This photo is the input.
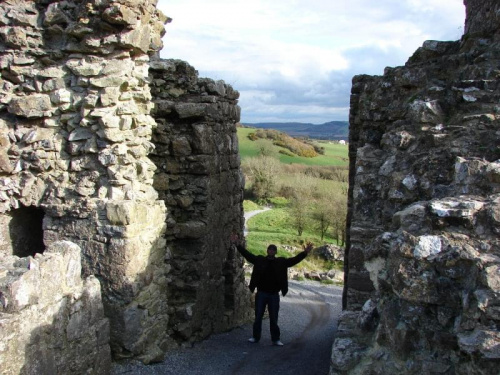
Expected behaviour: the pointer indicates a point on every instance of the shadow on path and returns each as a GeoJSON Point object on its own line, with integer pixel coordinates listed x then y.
{"type": "Point", "coordinates": [308, 321]}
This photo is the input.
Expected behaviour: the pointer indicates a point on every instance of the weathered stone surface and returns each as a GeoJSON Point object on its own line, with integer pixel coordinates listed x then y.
{"type": "Point", "coordinates": [58, 62]}
{"type": "Point", "coordinates": [31, 106]}
{"type": "Point", "coordinates": [203, 196]}
{"type": "Point", "coordinates": [423, 275]}
{"type": "Point", "coordinates": [331, 252]}
{"type": "Point", "coordinates": [481, 16]}
{"type": "Point", "coordinates": [77, 146]}
{"type": "Point", "coordinates": [47, 320]}
{"type": "Point", "coordinates": [190, 109]}
{"type": "Point", "coordinates": [120, 14]}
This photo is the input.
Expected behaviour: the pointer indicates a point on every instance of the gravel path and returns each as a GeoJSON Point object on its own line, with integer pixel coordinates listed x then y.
{"type": "Point", "coordinates": [308, 321]}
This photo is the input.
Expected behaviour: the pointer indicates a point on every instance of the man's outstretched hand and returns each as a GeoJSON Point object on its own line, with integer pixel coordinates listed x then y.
{"type": "Point", "coordinates": [307, 247]}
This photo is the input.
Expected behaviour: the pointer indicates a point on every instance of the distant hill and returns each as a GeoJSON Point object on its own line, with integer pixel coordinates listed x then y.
{"type": "Point", "coordinates": [334, 130]}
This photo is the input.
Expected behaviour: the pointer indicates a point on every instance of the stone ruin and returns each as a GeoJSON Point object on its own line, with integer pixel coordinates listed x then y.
{"type": "Point", "coordinates": [120, 184]}
{"type": "Point", "coordinates": [198, 177]}
{"type": "Point", "coordinates": [422, 291]}
{"type": "Point", "coordinates": [119, 188]}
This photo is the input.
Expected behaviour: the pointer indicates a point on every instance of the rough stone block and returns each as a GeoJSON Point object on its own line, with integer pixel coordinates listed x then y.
{"type": "Point", "coordinates": [192, 229]}
{"type": "Point", "coordinates": [481, 341]}
{"type": "Point", "coordinates": [186, 110]}
{"type": "Point", "coordinates": [31, 106]}
{"type": "Point", "coordinates": [134, 213]}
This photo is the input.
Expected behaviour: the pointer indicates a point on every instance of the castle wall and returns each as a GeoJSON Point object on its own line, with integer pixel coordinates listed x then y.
{"type": "Point", "coordinates": [482, 16]}
{"type": "Point", "coordinates": [83, 159]}
{"type": "Point", "coordinates": [75, 132]}
{"type": "Point", "coordinates": [198, 177]}
{"type": "Point", "coordinates": [423, 252]}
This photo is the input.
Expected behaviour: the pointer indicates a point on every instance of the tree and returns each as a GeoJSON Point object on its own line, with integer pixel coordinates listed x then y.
{"type": "Point", "coordinates": [263, 171]}
{"type": "Point", "coordinates": [299, 213]}
{"type": "Point", "coordinates": [303, 188]}
{"type": "Point", "coordinates": [339, 219]}
{"type": "Point", "coordinates": [322, 214]}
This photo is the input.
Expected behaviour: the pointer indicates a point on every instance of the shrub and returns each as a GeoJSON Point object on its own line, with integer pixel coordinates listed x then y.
{"type": "Point", "coordinates": [295, 146]}
{"type": "Point", "coordinates": [312, 171]}
{"type": "Point", "coordinates": [263, 171]}
{"type": "Point", "coordinates": [252, 137]}
{"type": "Point", "coordinates": [286, 191]}
{"type": "Point", "coordinates": [319, 149]}
{"type": "Point", "coordinates": [333, 173]}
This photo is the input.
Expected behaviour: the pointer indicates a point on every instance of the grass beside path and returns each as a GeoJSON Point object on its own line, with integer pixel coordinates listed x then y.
{"type": "Point", "coordinates": [249, 206]}
{"type": "Point", "coordinates": [274, 227]}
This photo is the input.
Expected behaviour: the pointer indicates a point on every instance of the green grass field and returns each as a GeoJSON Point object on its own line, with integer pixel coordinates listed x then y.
{"type": "Point", "coordinates": [325, 187]}
{"type": "Point", "coordinates": [274, 227]}
{"type": "Point", "coordinates": [335, 154]}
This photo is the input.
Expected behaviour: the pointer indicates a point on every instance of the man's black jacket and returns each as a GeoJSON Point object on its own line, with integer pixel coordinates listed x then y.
{"type": "Point", "coordinates": [281, 267]}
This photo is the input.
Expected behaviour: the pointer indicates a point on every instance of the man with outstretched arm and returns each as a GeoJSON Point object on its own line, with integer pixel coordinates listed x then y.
{"type": "Point", "coordinates": [269, 276]}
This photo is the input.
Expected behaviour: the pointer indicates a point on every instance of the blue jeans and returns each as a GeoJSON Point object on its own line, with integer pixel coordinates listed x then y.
{"type": "Point", "coordinates": [272, 301]}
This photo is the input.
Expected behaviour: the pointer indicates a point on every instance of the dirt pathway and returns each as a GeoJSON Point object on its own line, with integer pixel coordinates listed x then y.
{"type": "Point", "coordinates": [250, 214]}
{"type": "Point", "coordinates": [308, 320]}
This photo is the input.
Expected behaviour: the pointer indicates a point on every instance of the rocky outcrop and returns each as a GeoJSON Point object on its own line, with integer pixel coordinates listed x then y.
{"type": "Point", "coordinates": [51, 325]}
{"type": "Point", "coordinates": [423, 255]}
{"type": "Point", "coordinates": [76, 160]}
{"type": "Point", "coordinates": [330, 252]}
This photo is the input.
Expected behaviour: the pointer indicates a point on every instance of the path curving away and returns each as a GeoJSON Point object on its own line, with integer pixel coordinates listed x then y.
{"type": "Point", "coordinates": [250, 214]}
{"type": "Point", "coordinates": [308, 321]}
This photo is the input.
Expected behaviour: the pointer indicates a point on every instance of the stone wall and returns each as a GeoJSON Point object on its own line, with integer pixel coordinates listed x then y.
{"type": "Point", "coordinates": [51, 325]}
{"type": "Point", "coordinates": [423, 252]}
{"type": "Point", "coordinates": [482, 17]}
{"type": "Point", "coordinates": [75, 132]}
{"type": "Point", "coordinates": [199, 179]}
{"type": "Point", "coordinates": [76, 154]}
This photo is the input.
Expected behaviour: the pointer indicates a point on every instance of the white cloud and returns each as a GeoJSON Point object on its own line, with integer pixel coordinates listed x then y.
{"type": "Point", "coordinates": [291, 58]}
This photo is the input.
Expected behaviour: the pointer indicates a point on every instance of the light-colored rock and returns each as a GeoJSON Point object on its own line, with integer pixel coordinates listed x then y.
{"type": "Point", "coordinates": [427, 246]}
{"type": "Point", "coordinates": [30, 106]}
{"type": "Point", "coordinates": [51, 318]}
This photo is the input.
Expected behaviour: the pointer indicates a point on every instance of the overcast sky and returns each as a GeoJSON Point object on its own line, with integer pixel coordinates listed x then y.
{"type": "Point", "coordinates": [293, 60]}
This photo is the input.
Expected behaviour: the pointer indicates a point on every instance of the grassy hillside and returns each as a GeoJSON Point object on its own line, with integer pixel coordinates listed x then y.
{"type": "Point", "coordinates": [335, 154]}
{"type": "Point", "coordinates": [320, 183]}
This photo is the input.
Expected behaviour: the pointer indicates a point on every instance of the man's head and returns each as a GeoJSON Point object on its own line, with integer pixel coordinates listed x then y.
{"type": "Point", "coordinates": [272, 250]}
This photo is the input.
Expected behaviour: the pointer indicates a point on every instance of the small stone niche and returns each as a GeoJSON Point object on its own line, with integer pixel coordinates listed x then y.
{"type": "Point", "coordinates": [21, 232]}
